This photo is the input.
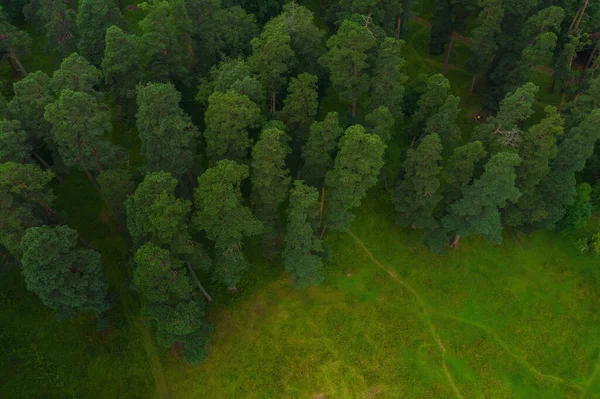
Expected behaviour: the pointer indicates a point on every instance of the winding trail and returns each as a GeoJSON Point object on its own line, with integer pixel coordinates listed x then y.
{"type": "Point", "coordinates": [427, 316]}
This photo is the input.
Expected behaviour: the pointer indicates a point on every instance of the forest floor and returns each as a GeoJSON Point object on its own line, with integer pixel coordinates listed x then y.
{"type": "Point", "coordinates": [519, 320]}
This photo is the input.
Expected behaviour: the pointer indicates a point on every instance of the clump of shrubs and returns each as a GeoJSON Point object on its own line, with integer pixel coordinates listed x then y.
{"type": "Point", "coordinates": [590, 244]}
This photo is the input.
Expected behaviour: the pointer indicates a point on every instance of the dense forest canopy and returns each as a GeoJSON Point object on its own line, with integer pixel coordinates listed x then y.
{"type": "Point", "coordinates": [206, 125]}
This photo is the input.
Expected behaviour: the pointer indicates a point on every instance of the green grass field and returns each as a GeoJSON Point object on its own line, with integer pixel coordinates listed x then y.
{"type": "Point", "coordinates": [519, 320]}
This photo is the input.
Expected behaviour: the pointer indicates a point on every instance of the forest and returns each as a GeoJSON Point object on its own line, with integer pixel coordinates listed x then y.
{"type": "Point", "coordinates": [311, 199]}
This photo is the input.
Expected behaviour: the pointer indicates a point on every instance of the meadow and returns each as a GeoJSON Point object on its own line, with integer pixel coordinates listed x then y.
{"type": "Point", "coordinates": [391, 320]}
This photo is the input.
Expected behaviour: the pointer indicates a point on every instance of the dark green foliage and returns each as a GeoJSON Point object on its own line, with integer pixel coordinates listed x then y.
{"type": "Point", "coordinates": [441, 27]}
{"type": "Point", "coordinates": [59, 24]}
{"type": "Point", "coordinates": [381, 123]}
{"type": "Point", "coordinates": [356, 168]}
{"type": "Point", "coordinates": [93, 19]}
{"type": "Point", "coordinates": [486, 35]}
{"type": "Point", "coordinates": [431, 100]}
{"type": "Point", "coordinates": [13, 43]}
{"type": "Point", "coordinates": [221, 214]}
{"type": "Point", "coordinates": [387, 83]}
{"type": "Point", "coordinates": [578, 214]}
{"type": "Point", "coordinates": [4, 114]}
{"type": "Point", "coordinates": [302, 101]}
{"type": "Point", "coordinates": [478, 211]}
{"type": "Point", "coordinates": [460, 168]}
{"type": "Point", "coordinates": [319, 150]}
{"type": "Point", "coordinates": [76, 74]}
{"type": "Point", "coordinates": [443, 122]}
{"type": "Point", "coordinates": [15, 147]}
{"type": "Point", "coordinates": [78, 126]}
{"type": "Point", "coordinates": [28, 106]}
{"type": "Point", "coordinates": [347, 59]}
{"type": "Point", "coordinates": [584, 104]}
{"type": "Point", "coordinates": [115, 186]}
{"type": "Point", "coordinates": [302, 244]}
{"type": "Point", "coordinates": [66, 278]}
{"type": "Point", "coordinates": [271, 58]}
{"type": "Point", "coordinates": [169, 138]}
{"type": "Point", "coordinates": [25, 201]}
{"type": "Point", "coordinates": [228, 118]}
{"type": "Point", "coordinates": [418, 193]}
{"type": "Point", "coordinates": [121, 68]}
{"type": "Point", "coordinates": [270, 179]}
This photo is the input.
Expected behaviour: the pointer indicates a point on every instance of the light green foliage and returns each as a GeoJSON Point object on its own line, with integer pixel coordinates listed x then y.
{"type": "Point", "coordinates": [590, 244]}
{"type": "Point", "coordinates": [443, 122]}
{"type": "Point", "coordinates": [306, 38]}
{"type": "Point", "coordinates": [387, 83]}
{"type": "Point", "coordinates": [577, 215]}
{"type": "Point", "coordinates": [121, 67]}
{"type": "Point", "coordinates": [169, 138]}
{"type": "Point", "coordinates": [14, 146]}
{"type": "Point", "coordinates": [318, 153]}
{"type": "Point", "coordinates": [271, 58]}
{"type": "Point", "coordinates": [221, 214]}
{"type": "Point", "coordinates": [78, 126]}
{"type": "Point", "coordinates": [228, 118]}
{"type": "Point", "coordinates": [66, 278]}
{"type": "Point", "coordinates": [302, 101]}
{"type": "Point", "coordinates": [486, 35]}
{"type": "Point", "coordinates": [302, 244]}
{"type": "Point", "coordinates": [558, 188]}
{"type": "Point", "coordinates": [584, 104]}
{"type": "Point", "coordinates": [32, 94]}
{"type": "Point", "coordinates": [76, 74]}
{"type": "Point", "coordinates": [59, 24]}
{"type": "Point", "coordinates": [347, 61]}
{"type": "Point", "coordinates": [477, 212]}
{"type": "Point", "coordinates": [165, 40]}
{"type": "Point", "coordinates": [270, 179]}
{"type": "Point", "coordinates": [418, 193]}
{"type": "Point", "coordinates": [460, 168]}
{"type": "Point", "coordinates": [115, 186]}
{"type": "Point", "coordinates": [25, 200]}
{"type": "Point", "coordinates": [503, 130]}
{"type": "Point", "coordinates": [380, 122]}
{"type": "Point", "coordinates": [154, 213]}
{"type": "Point", "coordinates": [537, 150]}
{"type": "Point", "coordinates": [356, 168]}
{"type": "Point", "coordinates": [14, 42]}
{"type": "Point", "coordinates": [93, 19]}
{"type": "Point", "coordinates": [158, 276]}
{"type": "Point", "coordinates": [431, 100]}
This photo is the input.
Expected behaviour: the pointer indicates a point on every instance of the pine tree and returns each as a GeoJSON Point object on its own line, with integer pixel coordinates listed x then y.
{"type": "Point", "coordinates": [59, 24]}
{"type": "Point", "coordinates": [121, 68]}
{"type": "Point", "coordinates": [169, 138]}
{"type": "Point", "coordinates": [76, 74]}
{"type": "Point", "coordinates": [13, 43]}
{"type": "Point", "coordinates": [228, 118]}
{"type": "Point", "coordinates": [478, 211]}
{"type": "Point", "coordinates": [381, 123]}
{"type": "Point", "coordinates": [78, 126]}
{"type": "Point", "coordinates": [387, 83]}
{"type": "Point", "coordinates": [431, 100]}
{"type": "Point", "coordinates": [443, 122]}
{"type": "Point", "coordinates": [32, 94]}
{"type": "Point", "coordinates": [302, 101]}
{"type": "Point", "coordinates": [221, 214]}
{"type": "Point", "coordinates": [115, 186]}
{"type": "Point", "coordinates": [418, 193]}
{"type": "Point", "coordinates": [579, 213]}
{"type": "Point", "coordinates": [93, 19]}
{"type": "Point", "coordinates": [66, 278]}
{"type": "Point", "coordinates": [583, 104]}
{"type": "Point", "coordinates": [356, 168]}
{"type": "Point", "coordinates": [270, 179]}
{"type": "Point", "coordinates": [347, 61]}
{"type": "Point", "coordinates": [460, 169]}
{"type": "Point", "coordinates": [15, 147]}
{"type": "Point", "coordinates": [318, 153]}
{"type": "Point", "coordinates": [271, 58]}
{"type": "Point", "coordinates": [302, 244]}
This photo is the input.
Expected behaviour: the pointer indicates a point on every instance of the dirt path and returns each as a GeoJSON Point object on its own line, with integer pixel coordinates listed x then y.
{"type": "Point", "coordinates": [427, 315]}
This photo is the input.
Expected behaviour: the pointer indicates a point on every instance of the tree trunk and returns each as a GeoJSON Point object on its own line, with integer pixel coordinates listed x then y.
{"type": "Point", "coordinates": [120, 5]}
{"type": "Point", "coordinates": [91, 178]}
{"type": "Point", "coordinates": [591, 59]}
{"type": "Point", "coordinates": [573, 21]}
{"type": "Point", "coordinates": [553, 85]}
{"type": "Point", "coordinates": [190, 177]}
{"type": "Point", "coordinates": [447, 60]}
{"type": "Point", "coordinates": [200, 287]}
{"type": "Point", "coordinates": [472, 89]}
{"type": "Point", "coordinates": [45, 164]}
{"type": "Point", "coordinates": [585, 4]}
{"type": "Point", "coordinates": [100, 168]}
{"type": "Point", "coordinates": [273, 101]}
{"type": "Point", "coordinates": [85, 243]}
{"type": "Point", "coordinates": [385, 182]}
{"type": "Point", "coordinates": [455, 241]}
{"type": "Point", "coordinates": [19, 65]}
{"type": "Point", "coordinates": [353, 108]}
{"type": "Point", "coordinates": [74, 4]}
{"type": "Point", "coordinates": [12, 65]}
{"type": "Point", "coordinates": [323, 231]}
{"type": "Point", "coordinates": [322, 205]}
{"type": "Point", "coordinates": [398, 22]}
{"type": "Point", "coordinates": [562, 100]}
